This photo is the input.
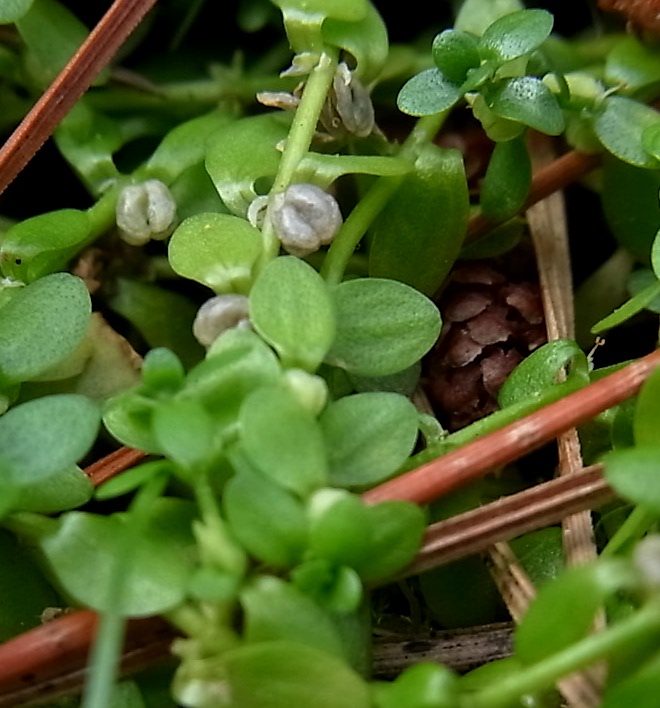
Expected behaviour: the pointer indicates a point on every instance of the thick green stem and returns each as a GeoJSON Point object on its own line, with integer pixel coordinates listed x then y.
{"type": "Point", "coordinates": [544, 674]}
{"type": "Point", "coordinates": [373, 202]}
{"type": "Point", "coordinates": [300, 136]}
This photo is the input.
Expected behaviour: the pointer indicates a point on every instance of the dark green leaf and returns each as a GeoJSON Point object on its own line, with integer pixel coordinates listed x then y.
{"type": "Point", "coordinates": [266, 518]}
{"type": "Point", "coordinates": [163, 317]}
{"type": "Point", "coordinates": [383, 326]}
{"type": "Point", "coordinates": [292, 309]}
{"type": "Point", "coordinates": [13, 10]}
{"type": "Point", "coordinates": [515, 34]}
{"type": "Point", "coordinates": [162, 371]}
{"type": "Point", "coordinates": [630, 308]}
{"type": "Point", "coordinates": [275, 610]}
{"type": "Point", "coordinates": [632, 64]}
{"type": "Point", "coordinates": [620, 128]}
{"type": "Point", "coordinates": [284, 674]}
{"type": "Point", "coordinates": [86, 549]}
{"type": "Point", "coordinates": [630, 203]}
{"type": "Point", "coordinates": [24, 592]}
{"type": "Point", "coordinates": [427, 93]}
{"type": "Point", "coordinates": [507, 181]}
{"type": "Point", "coordinates": [368, 437]}
{"type": "Point", "coordinates": [44, 244]}
{"type": "Point", "coordinates": [42, 325]}
{"type": "Point", "coordinates": [527, 100]}
{"type": "Point", "coordinates": [43, 437]}
{"type": "Point", "coordinates": [340, 527]}
{"type": "Point", "coordinates": [542, 369]}
{"type": "Point", "coordinates": [635, 474]}
{"type": "Point", "coordinates": [419, 246]}
{"type": "Point", "coordinates": [646, 424]}
{"type": "Point", "coordinates": [576, 594]}
{"type": "Point", "coordinates": [283, 440]}
{"type": "Point", "coordinates": [454, 53]}
{"type": "Point", "coordinates": [397, 528]}
{"type": "Point", "coordinates": [639, 689]}
{"type": "Point", "coordinates": [240, 154]}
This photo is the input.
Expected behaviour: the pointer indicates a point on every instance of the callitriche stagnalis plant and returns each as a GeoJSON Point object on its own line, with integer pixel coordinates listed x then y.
{"type": "Point", "coordinates": [285, 473]}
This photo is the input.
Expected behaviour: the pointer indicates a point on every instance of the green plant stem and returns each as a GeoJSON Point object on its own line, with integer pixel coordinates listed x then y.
{"type": "Point", "coordinates": [107, 646]}
{"type": "Point", "coordinates": [594, 647]}
{"type": "Point", "coordinates": [300, 136]}
{"type": "Point", "coordinates": [639, 521]}
{"type": "Point", "coordinates": [373, 202]}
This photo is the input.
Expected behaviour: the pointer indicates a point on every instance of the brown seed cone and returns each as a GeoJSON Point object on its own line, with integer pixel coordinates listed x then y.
{"type": "Point", "coordinates": [642, 15]}
{"type": "Point", "coordinates": [490, 323]}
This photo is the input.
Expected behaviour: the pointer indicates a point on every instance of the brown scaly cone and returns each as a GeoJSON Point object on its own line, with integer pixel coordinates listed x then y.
{"type": "Point", "coordinates": [490, 323]}
{"type": "Point", "coordinates": [642, 15]}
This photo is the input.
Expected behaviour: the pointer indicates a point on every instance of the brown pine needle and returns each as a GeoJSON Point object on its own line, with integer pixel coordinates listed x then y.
{"type": "Point", "coordinates": [91, 58]}
{"type": "Point", "coordinates": [465, 464]}
{"type": "Point", "coordinates": [113, 464]}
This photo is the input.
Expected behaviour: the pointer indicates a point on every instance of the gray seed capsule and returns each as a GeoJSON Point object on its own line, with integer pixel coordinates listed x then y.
{"type": "Point", "coordinates": [219, 314]}
{"type": "Point", "coordinates": [145, 211]}
{"type": "Point", "coordinates": [305, 218]}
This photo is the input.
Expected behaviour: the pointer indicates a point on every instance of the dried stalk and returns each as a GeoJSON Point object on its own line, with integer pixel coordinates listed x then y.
{"type": "Point", "coordinates": [91, 58]}
{"type": "Point", "coordinates": [511, 442]}
{"type": "Point", "coordinates": [113, 464]}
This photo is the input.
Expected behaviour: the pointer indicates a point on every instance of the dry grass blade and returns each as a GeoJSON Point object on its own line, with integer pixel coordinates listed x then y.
{"type": "Point", "coordinates": [93, 56]}
{"type": "Point", "coordinates": [476, 530]}
{"type": "Point", "coordinates": [113, 464]}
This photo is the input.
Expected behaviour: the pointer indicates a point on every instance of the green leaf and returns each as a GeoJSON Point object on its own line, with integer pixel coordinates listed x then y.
{"type": "Point", "coordinates": [44, 244]}
{"type": "Point", "coordinates": [67, 489]}
{"type": "Point", "coordinates": [52, 34]}
{"type": "Point", "coordinates": [454, 53]}
{"type": "Point", "coordinates": [629, 199]}
{"type": "Point", "coordinates": [45, 436]}
{"type": "Point", "coordinates": [646, 423]}
{"type": "Point", "coordinates": [238, 362]}
{"type": "Point", "coordinates": [281, 674]}
{"type": "Point", "coordinates": [383, 326]}
{"type": "Point", "coordinates": [632, 64]}
{"type": "Point", "coordinates": [365, 39]}
{"type": "Point", "coordinates": [419, 246]}
{"type": "Point", "coordinates": [85, 550]}
{"type": "Point", "coordinates": [620, 128]}
{"type": "Point", "coordinates": [292, 309]}
{"type": "Point", "coordinates": [476, 15]}
{"type": "Point", "coordinates": [629, 309]}
{"type": "Point", "coordinates": [283, 440]}
{"type": "Point", "coordinates": [184, 431]}
{"type": "Point", "coordinates": [275, 610]}
{"type": "Point", "coordinates": [12, 10]}
{"type": "Point", "coordinates": [515, 35]}
{"type": "Point", "coordinates": [541, 554]}
{"type": "Point", "coordinates": [427, 93]}
{"type": "Point", "coordinates": [508, 178]}
{"type": "Point", "coordinates": [87, 139]}
{"type": "Point", "coordinates": [397, 530]}
{"type": "Point", "coordinates": [338, 589]}
{"type": "Point", "coordinates": [218, 250]}
{"type": "Point", "coordinates": [132, 479]}
{"type": "Point", "coordinates": [163, 317]}
{"type": "Point", "coordinates": [420, 686]}
{"type": "Point", "coordinates": [541, 370]}
{"type": "Point", "coordinates": [527, 100]}
{"type": "Point", "coordinates": [635, 474]}
{"type": "Point", "coordinates": [640, 689]}
{"type": "Point", "coordinates": [24, 592]}
{"type": "Point", "coordinates": [243, 152]}
{"type": "Point", "coordinates": [368, 437]}
{"type": "Point", "coordinates": [41, 325]}
{"type": "Point", "coordinates": [578, 593]}
{"type": "Point", "coordinates": [267, 519]}
{"type": "Point", "coordinates": [340, 528]}
{"type": "Point", "coordinates": [185, 145]}
{"type": "Point", "coordinates": [127, 417]}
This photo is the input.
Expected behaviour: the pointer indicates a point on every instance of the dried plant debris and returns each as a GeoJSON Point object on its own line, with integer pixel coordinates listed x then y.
{"type": "Point", "coordinates": [491, 322]}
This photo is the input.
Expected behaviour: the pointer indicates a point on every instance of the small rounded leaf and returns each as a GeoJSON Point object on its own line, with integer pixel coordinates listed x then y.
{"type": "Point", "coordinates": [507, 181]}
{"type": "Point", "coordinates": [427, 93]}
{"type": "Point", "coordinates": [454, 53]}
{"type": "Point", "coordinates": [515, 34]}
{"type": "Point", "coordinates": [529, 101]}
